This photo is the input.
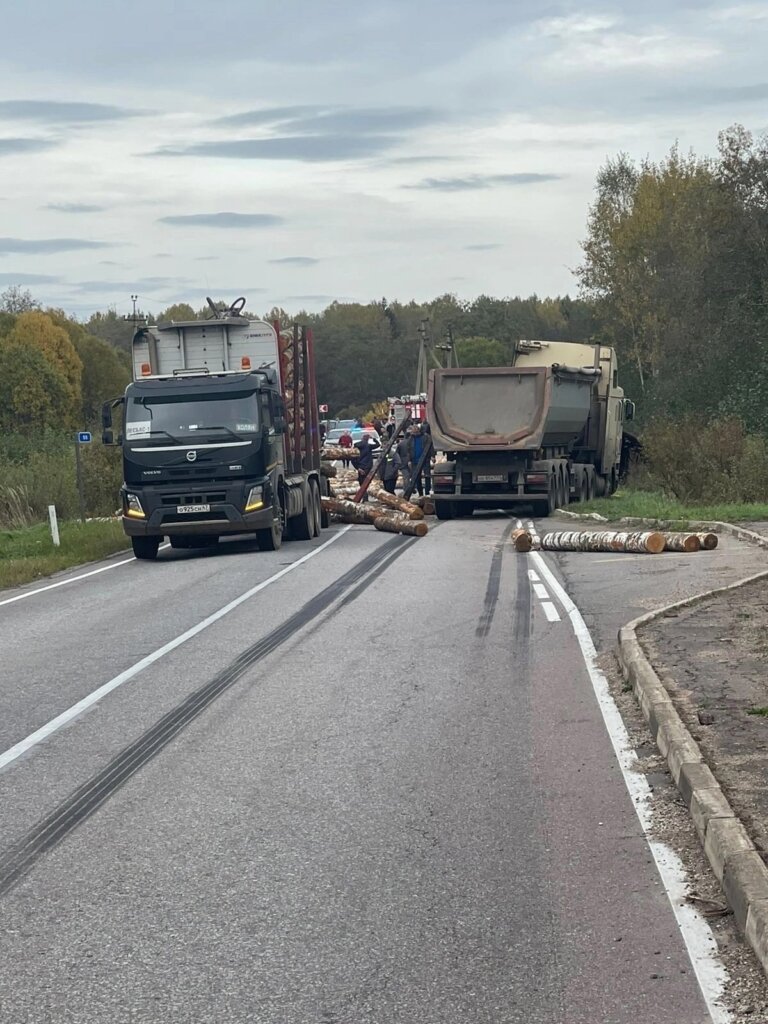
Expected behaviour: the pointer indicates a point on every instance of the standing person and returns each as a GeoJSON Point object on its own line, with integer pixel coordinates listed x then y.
{"type": "Point", "coordinates": [345, 442]}
{"type": "Point", "coordinates": [389, 470]}
{"type": "Point", "coordinates": [419, 441]}
{"type": "Point", "coordinates": [403, 449]}
{"type": "Point", "coordinates": [363, 461]}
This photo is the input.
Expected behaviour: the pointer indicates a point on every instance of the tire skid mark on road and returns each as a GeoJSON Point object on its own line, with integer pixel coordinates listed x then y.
{"type": "Point", "coordinates": [494, 585]}
{"type": "Point", "coordinates": [21, 857]}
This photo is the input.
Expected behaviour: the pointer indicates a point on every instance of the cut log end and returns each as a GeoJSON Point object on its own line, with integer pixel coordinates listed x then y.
{"type": "Point", "coordinates": [522, 540]}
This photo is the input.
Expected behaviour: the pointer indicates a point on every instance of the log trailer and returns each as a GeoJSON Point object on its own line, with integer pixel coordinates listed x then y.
{"type": "Point", "coordinates": [543, 432]}
{"type": "Point", "coordinates": [220, 434]}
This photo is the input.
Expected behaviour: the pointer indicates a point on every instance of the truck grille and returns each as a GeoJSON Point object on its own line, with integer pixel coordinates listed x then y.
{"type": "Point", "coordinates": [194, 499]}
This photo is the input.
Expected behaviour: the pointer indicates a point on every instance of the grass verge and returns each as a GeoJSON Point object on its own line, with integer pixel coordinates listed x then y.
{"type": "Point", "coordinates": [654, 505]}
{"type": "Point", "coordinates": [26, 555]}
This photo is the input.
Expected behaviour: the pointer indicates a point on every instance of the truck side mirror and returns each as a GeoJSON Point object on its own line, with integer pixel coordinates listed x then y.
{"type": "Point", "coordinates": [107, 436]}
{"type": "Point", "coordinates": [280, 424]}
{"type": "Point", "coordinates": [106, 418]}
{"type": "Point", "coordinates": [629, 410]}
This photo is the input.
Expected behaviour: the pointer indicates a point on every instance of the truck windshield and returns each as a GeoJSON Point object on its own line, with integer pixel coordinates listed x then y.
{"type": "Point", "coordinates": [184, 417]}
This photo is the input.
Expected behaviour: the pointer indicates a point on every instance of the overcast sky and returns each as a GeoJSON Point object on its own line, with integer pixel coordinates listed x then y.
{"type": "Point", "coordinates": [305, 151]}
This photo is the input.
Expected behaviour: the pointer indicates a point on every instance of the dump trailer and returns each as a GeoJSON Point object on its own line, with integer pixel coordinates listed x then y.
{"type": "Point", "coordinates": [543, 432]}
{"type": "Point", "coordinates": [220, 434]}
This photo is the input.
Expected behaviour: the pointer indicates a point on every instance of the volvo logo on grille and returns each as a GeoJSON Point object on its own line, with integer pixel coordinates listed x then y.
{"type": "Point", "coordinates": [191, 456]}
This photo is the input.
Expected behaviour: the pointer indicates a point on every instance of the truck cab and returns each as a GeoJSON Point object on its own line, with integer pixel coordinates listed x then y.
{"type": "Point", "coordinates": [209, 445]}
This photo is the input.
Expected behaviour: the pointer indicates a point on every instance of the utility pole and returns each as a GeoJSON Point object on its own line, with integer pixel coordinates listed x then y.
{"type": "Point", "coordinates": [425, 343]}
{"type": "Point", "coordinates": [134, 317]}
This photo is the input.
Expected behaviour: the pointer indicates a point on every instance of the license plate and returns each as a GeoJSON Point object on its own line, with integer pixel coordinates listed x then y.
{"type": "Point", "coordinates": [490, 478]}
{"type": "Point", "coordinates": [186, 509]}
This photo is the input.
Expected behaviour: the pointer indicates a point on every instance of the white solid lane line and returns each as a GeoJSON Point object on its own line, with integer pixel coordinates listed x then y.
{"type": "Point", "coordinates": [697, 935]}
{"type": "Point", "coordinates": [71, 579]}
{"type": "Point", "coordinates": [550, 611]}
{"type": "Point", "coordinates": [93, 698]}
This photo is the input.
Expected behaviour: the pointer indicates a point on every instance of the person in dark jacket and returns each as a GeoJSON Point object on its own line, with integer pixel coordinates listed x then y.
{"type": "Point", "coordinates": [404, 453]}
{"type": "Point", "coordinates": [389, 470]}
{"type": "Point", "coordinates": [363, 461]}
{"type": "Point", "coordinates": [420, 439]}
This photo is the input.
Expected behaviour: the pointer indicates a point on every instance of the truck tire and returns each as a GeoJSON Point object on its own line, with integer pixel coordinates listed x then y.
{"type": "Point", "coordinates": [445, 509]}
{"type": "Point", "coordinates": [545, 508]}
{"type": "Point", "coordinates": [271, 538]}
{"type": "Point", "coordinates": [314, 492]}
{"type": "Point", "coordinates": [145, 548]}
{"type": "Point", "coordinates": [302, 525]}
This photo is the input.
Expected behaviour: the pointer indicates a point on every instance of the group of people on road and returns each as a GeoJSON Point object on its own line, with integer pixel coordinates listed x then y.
{"type": "Point", "coordinates": [406, 458]}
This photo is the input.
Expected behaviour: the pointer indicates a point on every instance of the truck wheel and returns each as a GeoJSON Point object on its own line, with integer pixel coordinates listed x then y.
{"type": "Point", "coordinates": [542, 509]}
{"type": "Point", "coordinates": [317, 524]}
{"type": "Point", "coordinates": [145, 548]}
{"type": "Point", "coordinates": [445, 509]}
{"type": "Point", "coordinates": [271, 538]}
{"type": "Point", "coordinates": [302, 525]}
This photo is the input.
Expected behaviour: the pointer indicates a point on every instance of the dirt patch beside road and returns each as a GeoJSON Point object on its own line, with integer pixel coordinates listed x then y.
{"type": "Point", "coordinates": [713, 660]}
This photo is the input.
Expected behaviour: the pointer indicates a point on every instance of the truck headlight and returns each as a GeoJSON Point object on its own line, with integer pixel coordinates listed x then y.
{"type": "Point", "coordinates": [133, 506]}
{"type": "Point", "coordinates": [255, 499]}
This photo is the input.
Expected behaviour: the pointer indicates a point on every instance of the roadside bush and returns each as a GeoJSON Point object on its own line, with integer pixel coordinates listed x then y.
{"type": "Point", "coordinates": [44, 474]}
{"type": "Point", "coordinates": [696, 461]}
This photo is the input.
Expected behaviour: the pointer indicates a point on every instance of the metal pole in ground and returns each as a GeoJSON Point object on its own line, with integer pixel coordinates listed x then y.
{"type": "Point", "coordinates": [80, 482]}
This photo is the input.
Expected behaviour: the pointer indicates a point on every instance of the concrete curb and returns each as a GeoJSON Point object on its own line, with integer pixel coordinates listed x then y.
{"type": "Point", "coordinates": [735, 860]}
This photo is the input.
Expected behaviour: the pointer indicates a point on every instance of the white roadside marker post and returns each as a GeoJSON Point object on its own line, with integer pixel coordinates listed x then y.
{"type": "Point", "coordinates": [54, 525]}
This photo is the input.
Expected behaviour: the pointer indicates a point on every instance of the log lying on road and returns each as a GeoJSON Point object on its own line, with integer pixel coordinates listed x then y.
{"type": "Point", "coordinates": [350, 511]}
{"type": "Point", "coordinates": [682, 542]}
{"type": "Point", "coordinates": [650, 543]}
{"type": "Point", "coordinates": [708, 541]}
{"type": "Point", "coordinates": [391, 524]}
{"type": "Point", "coordinates": [392, 501]}
{"type": "Point", "coordinates": [522, 540]}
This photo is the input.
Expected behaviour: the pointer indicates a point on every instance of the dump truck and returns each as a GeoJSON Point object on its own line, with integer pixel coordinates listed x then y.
{"type": "Point", "coordinates": [543, 432]}
{"type": "Point", "coordinates": [220, 434]}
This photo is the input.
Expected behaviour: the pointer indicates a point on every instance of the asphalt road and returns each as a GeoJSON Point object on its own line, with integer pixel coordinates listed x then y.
{"type": "Point", "coordinates": [378, 789]}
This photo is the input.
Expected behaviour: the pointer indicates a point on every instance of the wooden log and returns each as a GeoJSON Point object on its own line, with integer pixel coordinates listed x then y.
{"type": "Point", "coordinates": [522, 540]}
{"type": "Point", "coordinates": [391, 524]}
{"type": "Point", "coordinates": [328, 469]}
{"type": "Point", "coordinates": [649, 542]}
{"type": "Point", "coordinates": [681, 542]}
{"type": "Point", "coordinates": [335, 453]}
{"type": "Point", "coordinates": [350, 511]}
{"type": "Point", "coordinates": [428, 507]}
{"type": "Point", "coordinates": [708, 541]}
{"type": "Point", "coordinates": [392, 501]}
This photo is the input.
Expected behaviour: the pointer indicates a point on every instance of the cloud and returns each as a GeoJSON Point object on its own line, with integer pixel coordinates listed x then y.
{"type": "Point", "coordinates": [223, 220]}
{"type": "Point", "coordinates": [297, 261]}
{"type": "Point", "coordinates": [268, 115]}
{"type": "Point", "coordinates": [146, 284]}
{"type": "Point", "coordinates": [42, 246]}
{"type": "Point", "coordinates": [710, 96]}
{"type": "Point", "coordinates": [28, 279]}
{"type": "Point", "coordinates": [483, 181]}
{"type": "Point", "coordinates": [337, 120]}
{"type": "Point", "coordinates": [55, 112]}
{"type": "Point", "coordinates": [10, 146]}
{"type": "Point", "coordinates": [483, 247]}
{"type": "Point", "coordinates": [73, 207]}
{"type": "Point", "coordinates": [313, 148]}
